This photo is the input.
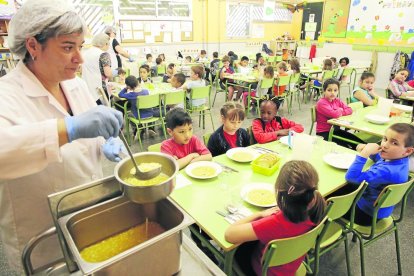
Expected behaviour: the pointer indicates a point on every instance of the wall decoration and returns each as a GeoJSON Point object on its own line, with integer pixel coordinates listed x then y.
{"type": "Point", "coordinates": [335, 18]}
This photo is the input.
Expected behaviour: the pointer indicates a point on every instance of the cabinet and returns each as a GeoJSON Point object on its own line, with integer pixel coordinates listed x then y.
{"type": "Point", "coordinates": [284, 48]}
{"type": "Point", "coordinates": [6, 58]}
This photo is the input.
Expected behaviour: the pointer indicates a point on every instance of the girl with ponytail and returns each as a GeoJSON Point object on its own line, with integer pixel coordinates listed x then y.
{"type": "Point", "coordinates": [300, 208]}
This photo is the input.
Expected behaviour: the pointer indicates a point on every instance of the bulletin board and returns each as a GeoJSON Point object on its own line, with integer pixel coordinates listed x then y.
{"type": "Point", "coordinates": [157, 31]}
{"type": "Point", "coordinates": [380, 22]}
{"type": "Point", "coordinates": [335, 18]}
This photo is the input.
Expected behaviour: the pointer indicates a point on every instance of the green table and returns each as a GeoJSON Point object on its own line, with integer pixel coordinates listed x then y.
{"type": "Point", "coordinates": [203, 198]}
{"type": "Point", "coordinates": [357, 121]}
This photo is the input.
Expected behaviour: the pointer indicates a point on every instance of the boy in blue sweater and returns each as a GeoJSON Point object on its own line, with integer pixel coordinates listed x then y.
{"type": "Point", "coordinates": [391, 167]}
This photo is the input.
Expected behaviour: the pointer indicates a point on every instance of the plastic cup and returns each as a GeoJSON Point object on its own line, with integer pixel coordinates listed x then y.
{"type": "Point", "coordinates": [302, 147]}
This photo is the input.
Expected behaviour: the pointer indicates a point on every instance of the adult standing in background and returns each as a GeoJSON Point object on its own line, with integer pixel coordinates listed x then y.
{"type": "Point", "coordinates": [115, 49]}
{"type": "Point", "coordinates": [50, 126]}
{"type": "Point", "coordinates": [96, 68]}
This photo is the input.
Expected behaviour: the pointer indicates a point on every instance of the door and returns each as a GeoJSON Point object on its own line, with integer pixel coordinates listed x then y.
{"type": "Point", "coordinates": [312, 21]}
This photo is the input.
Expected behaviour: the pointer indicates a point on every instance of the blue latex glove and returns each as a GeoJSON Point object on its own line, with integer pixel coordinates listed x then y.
{"type": "Point", "coordinates": [114, 73]}
{"type": "Point", "coordinates": [130, 59]}
{"type": "Point", "coordinates": [98, 121]}
{"type": "Point", "coordinates": [112, 148]}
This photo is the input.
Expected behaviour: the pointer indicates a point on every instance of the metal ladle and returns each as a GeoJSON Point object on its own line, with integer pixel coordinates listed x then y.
{"type": "Point", "coordinates": [138, 173]}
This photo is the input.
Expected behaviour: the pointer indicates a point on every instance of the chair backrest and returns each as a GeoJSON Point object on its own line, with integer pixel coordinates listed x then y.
{"type": "Point", "coordinates": [393, 194]}
{"type": "Point", "coordinates": [313, 118]}
{"type": "Point", "coordinates": [294, 79]}
{"type": "Point", "coordinates": [251, 136]}
{"type": "Point", "coordinates": [200, 92]}
{"type": "Point", "coordinates": [206, 137]}
{"type": "Point", "coordinates": [155, 147]}
{"type": "Point", "coordinates": [347, 72]}
{"type": "Point", "coordinates": [388, 94]}
{"type": "Point", "coordinates": [327, 74]}
{"type": "Point", "coordinates": [177, 97]}
{"type": "Point", "coordinates": [340, 205]}
{"type": "Point", "coordinates": [283, 251]}
{"type": "Point", "coordinates": [356, 105]}
{"type": "Point", "coordinates": [283, 80]}
{"type": "Point", "coordinates": [266, 83]}
{"type": "Point", "coordinates": [148, 101]}
{"type": "Point", "coordinates": [161, 69]}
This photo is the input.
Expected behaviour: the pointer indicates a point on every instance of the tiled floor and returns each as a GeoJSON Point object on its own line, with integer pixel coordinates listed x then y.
{"type": "Point", "coordinates": [380, 257]}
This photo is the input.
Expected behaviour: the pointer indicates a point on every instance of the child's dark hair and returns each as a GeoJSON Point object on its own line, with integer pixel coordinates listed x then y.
{"type": "Point", "coordinates": [333, 59]}
{"type": "Point", "coordinates": [215, 54]}
{"type": "Point", "coordinates": [225, 58]}
{"type": "Point", "coordinates": [230, 53]}
{"type": "Point", "coordinates": [403, 69]}
{"type": "Point", "coordinates": [330, 81]}
{"type": "Point", "coordinates": [203, 52]}
{"type": "Point", "coordinates": [269, 70]}
{"type": "Point", "coordinates": [158, 60]}
{"type": "Point", "coordinates": [258, 56]}
{"type": "Point", "coordinates": [407, 130]}
{"type": "Point", "coordinates": [148, 56]}
{"type": "Point", "coordinates": [297, 192]}
{"type": "Point", "coordinates": [131, 81]}
{"type": "Point", "coordinates": [327, 64]}
{"type": "Point", "coordinates": [232, 111]}
{"type": "Point", "coordinates": [273, 100]}
{"type": "Point", "coordinates": [244, 58]}
{"type": "Point", "coordinates": [188, 57]}
{"type": "Point", "coordinates": [345, 59]}
{"type": "Point", "coordinates": [180, 77]}
{"type": "Point", "coordinates": [282, 65]}
{"type": "Point", "coordinates": [177, 117]}
{"type": "Point", "coordinates": [146, 67]}
{"type": "Point", "coordinates": [366, 75]}
{"type": "Point", "coordinates": [171, 66]}
{"type": "Point", "coordinates": [295, 65]}
{"type": "Point", "coordinates": [120, 71]}
{"type": "Point", "coordinates": [198, 70]}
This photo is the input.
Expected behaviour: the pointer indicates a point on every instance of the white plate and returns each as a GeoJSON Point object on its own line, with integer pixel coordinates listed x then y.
{"type": "Point", "coordinates": [189, 170]}
{"type": "Point", "coordinates": [339, 160]}
{"type": "Point", "coordinates": [231, 152]}
{"type": "Point", "coordinates": [377, 119]}
{"type": "Point", "coordinates": [258, 186]}
{"type": "Point", "coordinates": [404, 108]}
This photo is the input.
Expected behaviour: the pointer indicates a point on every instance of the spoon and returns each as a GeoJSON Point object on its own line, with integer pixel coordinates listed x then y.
{"type": "Point", "coordinates": [138, 173]}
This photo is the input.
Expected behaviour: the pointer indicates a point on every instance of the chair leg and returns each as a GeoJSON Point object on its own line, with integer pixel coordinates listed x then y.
{"type": "Point", "coordinates": [215, 94]}
{"type": "Point", "coordinates": [361, 253]}
{"type": "Point", "coordinates": [397, 248]}
{"type": "Point", "coordinates": [212, 123]}
{"type": "Point", "coordinates": [348, 264]}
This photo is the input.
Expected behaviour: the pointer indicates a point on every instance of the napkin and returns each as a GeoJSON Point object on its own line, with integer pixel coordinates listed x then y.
{"type": "Point", "coordinates": [181, 181]}
{"type": "Point", "coordinates": [242, 212]}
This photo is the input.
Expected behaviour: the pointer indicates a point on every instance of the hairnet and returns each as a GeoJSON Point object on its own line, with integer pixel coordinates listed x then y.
{"type": "Point", "coordinates": [100, 40]}
{"type": "Point", "coordinates": [31, 19]}
{"type": "Point", "coordinates": [109, 30]}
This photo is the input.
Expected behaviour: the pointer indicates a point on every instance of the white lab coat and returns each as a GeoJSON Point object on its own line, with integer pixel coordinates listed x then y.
{"type": "Point", "coordinates": [91, 73]}
{"type": "Point", "coordinates": [32, 165]}
{"type": "Point", "coordinates": [112, 54]}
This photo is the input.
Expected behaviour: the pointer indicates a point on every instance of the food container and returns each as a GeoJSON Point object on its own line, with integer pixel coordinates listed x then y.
{"type": "Point", "coordinates": [259, 168]}
{"type": "Point", "coordinates": [157, 256]}
{"type": "Point", "coordinates": [153, 193]}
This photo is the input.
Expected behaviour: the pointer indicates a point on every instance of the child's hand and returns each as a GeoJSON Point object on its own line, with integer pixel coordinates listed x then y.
{"type": "Point", "coordinates": [282, 132]}
{"type": "Point", "coordinates": [360, 147]}
{"type": "Point", "coordinates": [269, 212]}
{"type": "Point", "coordinates": [370, 149]}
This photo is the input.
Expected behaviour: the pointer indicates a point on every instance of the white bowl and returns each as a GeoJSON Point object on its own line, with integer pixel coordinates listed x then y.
{"type": "Point", "coordinates": [189, 170]}
{"type": "Point", "coordinates": [404, 108]}
{"type": "Point", "coordinates": [231, 154]}
{"type": "Point", "coordinates": [377, 119]}
{"type": "Point", "coordinates": [258, 186]}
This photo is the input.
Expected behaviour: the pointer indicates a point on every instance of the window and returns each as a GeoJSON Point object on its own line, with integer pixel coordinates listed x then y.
{"type": "Point", "coordinates": [151, 9]}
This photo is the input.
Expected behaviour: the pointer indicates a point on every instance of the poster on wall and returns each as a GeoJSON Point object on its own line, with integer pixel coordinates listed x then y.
{"type": "Point", "coordinates": [335, 18]}
{"type": "Point", "coordinates": [388, 21]}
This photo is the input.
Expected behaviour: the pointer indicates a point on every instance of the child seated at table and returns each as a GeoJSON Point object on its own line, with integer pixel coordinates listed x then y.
{"type": "Point", "coordinates": [327, 66]}
{"type": "Point", "coordinates": [268, 73]}
{"type": "Point", "coordinates": [202, 57]}
{"type": "Point", "coordinates": [121, 75]}
{"type": "Point", "coordinates": [185, 147]}
{"type": "Point", "coordinates": [144, 72]}
{"type": "Point", "coordinates": [170, 73]}
{"type": "Point", "coordinates": [329, 107]}
{"type": "Point", "coordinates": [391, 166]}
{"type": "Point", "coordinates": [228, 70]}
{"type": "Point", "coordinates": [178, 80]}
{"type": "Point", "coordinates": [188, 59]}
{"type": "Point", "coordinates": [196, 80]}
{"type": "Point", "coordinates": [300, 208]}
{"type": "Point", "coordinates": [365, 92]}
{"type": "Point", "coordinates": [281, 72]}
{"type": "Point", "coordinates": [151, 65]}
{"type": "Point", "coordinates": [271, 127]}
{"type": "Point", "coordinates": [214, 66]}
{"type": "Point", "coordinates": [229, 135]}
{"type": "Point", "coordinates": [399, 87]}
{"type": "Point", "coordinates": [243, 66]}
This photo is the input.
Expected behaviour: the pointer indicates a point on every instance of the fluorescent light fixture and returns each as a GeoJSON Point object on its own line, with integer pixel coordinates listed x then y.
{"type": "Point", "coordinates": [149, 9]}
{"type": "Point", "coordinates": [128, 8]}
{"type": "Point", "coordinates": [142, 3]}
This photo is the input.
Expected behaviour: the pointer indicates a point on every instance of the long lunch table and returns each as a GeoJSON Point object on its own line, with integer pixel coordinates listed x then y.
{"type": "Point", "coordinates": [202, 198]}
{"type": "Point", "coordinates": [357, 121]}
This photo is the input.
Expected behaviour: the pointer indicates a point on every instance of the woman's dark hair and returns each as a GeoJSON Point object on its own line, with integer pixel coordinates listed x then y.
{"type": "Point", "coordinates": [177, 117]}
{"type": "Point", "coordinates": [346, 60]}
{"type": "Point", "coordinates": [232, 111]}
{"type": "Point", "coordinates": [297, 192]}
{"type": "Point", "coordinates": [330, 81]}
{"type": "Point", "coordinates": [407, 130]}
{"type": "Point", "coordinates": [131, 81]}
{"type": "Point", "coordinates": [366, 75]}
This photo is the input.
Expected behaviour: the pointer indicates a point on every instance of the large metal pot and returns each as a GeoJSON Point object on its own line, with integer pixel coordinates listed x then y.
{"type": "Point", "coordinates": [147, 194]}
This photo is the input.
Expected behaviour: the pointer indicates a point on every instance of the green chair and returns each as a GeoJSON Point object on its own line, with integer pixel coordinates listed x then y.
{"type": "Point", "coordinates": [389, 196]}
{"type": "Point", "coordinates": [251, 136]}
{"type": "Point", "coordinates": [161, 70]}
{"type": "Point", "coordinates": [146, 102]}
{"type": "Point", "coordinates": [206, 137]}
{"type": "Point", "coordinates": [348, 74]}
{"type": "Point", "coordinates": [283, 251]}
{"type": "Point", "coordinates": [313, 118]}
{"type": "Point", "coordinates": [217, 87]}
{"type": "Point", "coordinates": [155, 147]}
{"type": "Point", "coordinates": [355, 105]}
{"type": "Point", "coordinates": [203, 110]}
{"type": "Point", "coordinates": [294, 83]}
{"type": "Point", "coordinates": [327, 74]}
{"type": "Point", "coordinates": [336, 233]}
{"type": "Point", "coordinates": [283, 81]}
{"type": "Point", "coordinates": [264, 84]}
{"type": "Point", "coordinates": [171, 99]}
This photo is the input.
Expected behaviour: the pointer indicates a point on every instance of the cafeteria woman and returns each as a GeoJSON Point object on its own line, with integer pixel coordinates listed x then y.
{"type": "Point", "coordinates": [52, 132]}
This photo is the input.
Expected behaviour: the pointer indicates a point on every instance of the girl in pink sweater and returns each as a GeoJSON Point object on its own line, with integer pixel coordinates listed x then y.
{"type": "Point", "coordinates": [330, 107]}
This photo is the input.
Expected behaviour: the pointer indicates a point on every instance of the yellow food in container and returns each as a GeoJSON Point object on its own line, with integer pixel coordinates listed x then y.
{"type": "Point", "coordinates": [266, 164]}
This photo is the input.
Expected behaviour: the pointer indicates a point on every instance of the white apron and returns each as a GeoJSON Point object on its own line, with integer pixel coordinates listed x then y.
{"type": "Point", "coordinates": [112, 54]}
{"type": "Point", "coordinates": [90, 70]}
